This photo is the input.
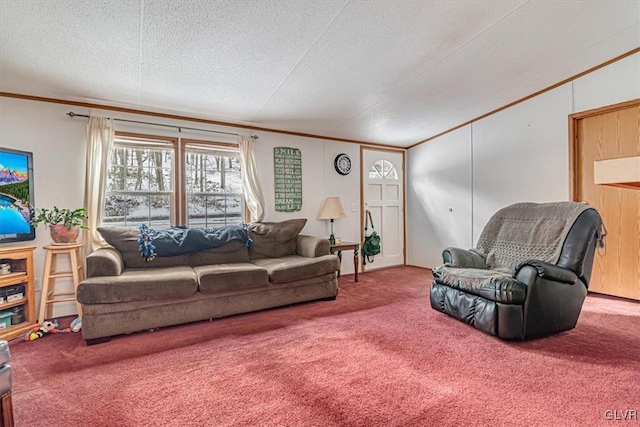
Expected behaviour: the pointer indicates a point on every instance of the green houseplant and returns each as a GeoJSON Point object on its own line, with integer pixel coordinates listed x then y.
{"type": "Point", "coordinates": [64, 224]}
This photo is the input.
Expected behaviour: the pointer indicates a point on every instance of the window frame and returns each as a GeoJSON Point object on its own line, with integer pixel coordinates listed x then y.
{"type": "Point", "coordinates": [380, 173]}
{"type": "Point", "coordinates": [172, 144]}
{"type": "Point", "coordinates": [183, 176]}
{"type": "Point", "coordinates": [178, 196]}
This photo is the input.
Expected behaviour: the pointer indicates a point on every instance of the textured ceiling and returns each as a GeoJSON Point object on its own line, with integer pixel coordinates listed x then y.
{"type": "Point", "coordinates": [392, 72]}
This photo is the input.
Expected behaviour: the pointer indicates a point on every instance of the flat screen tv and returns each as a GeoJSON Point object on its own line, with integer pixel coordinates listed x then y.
{"type": "Point", "coordinates": [16, 195]}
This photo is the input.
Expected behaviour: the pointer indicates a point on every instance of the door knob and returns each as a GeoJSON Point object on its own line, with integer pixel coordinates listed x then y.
{"type": "Point", "coordinates": [584, 202]}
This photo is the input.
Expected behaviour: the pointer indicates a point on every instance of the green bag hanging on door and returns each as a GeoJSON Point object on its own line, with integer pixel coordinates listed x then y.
{"type": "Point", "coordinates": [371, 245]}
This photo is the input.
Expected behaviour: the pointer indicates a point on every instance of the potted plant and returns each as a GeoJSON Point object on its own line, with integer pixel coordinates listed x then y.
{"type": "Point", "coordinates": [64, 224]}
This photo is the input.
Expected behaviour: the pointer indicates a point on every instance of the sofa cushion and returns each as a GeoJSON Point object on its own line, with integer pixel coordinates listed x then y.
{"type": "Point", "coordinates": [505, 289]}
{"type": "Point", "coordinates": [274, 239]}
{"type": "Point", "coordinates": [139, 284]}
{"type": "Point", "coordinates": [295, 267]}
{"type": "Point", "coordinates": [218, 278]}
{"type": "Point", "coordinates": [125, 240]}
{"type": "Point", "coordinates": [234, 251]}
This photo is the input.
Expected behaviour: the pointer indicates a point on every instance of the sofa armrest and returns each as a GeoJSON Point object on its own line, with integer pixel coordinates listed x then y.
{"type": "Point", "coordinates": [312, 247]}
{"type": "Point", "coordinates": [548, 271]}
{"type": "Point", "coordinates": [462, 258]}
{"type": "Point", "coordinates": [104, 262]}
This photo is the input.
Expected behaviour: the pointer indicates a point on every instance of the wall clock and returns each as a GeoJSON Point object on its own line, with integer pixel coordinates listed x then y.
{"type": "Point", "coordinates": [342, 164]}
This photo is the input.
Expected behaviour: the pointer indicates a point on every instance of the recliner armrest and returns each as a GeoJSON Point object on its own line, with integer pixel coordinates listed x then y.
{"type": "Point", "coordinates": [104, 262]}
{"type": "Point", "coordinates": [312, 247]}
{"type": "Point", "coordinates": [549, 271]}
{"type": "Point", "coordinates": [462, 258]}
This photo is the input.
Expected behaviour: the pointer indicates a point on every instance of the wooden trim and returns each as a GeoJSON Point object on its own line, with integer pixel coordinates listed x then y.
{"type": "Point", "coordinates": [183, 149]}
{"type": "Point", "coordinates": [179, 212]}
{"type": "Point", "coordinates": [302, 134]}
{"type": "Point", "coordinates": [404, 199]}
{"type": "Point", "coordinates": [186, 118]}
{"type": "Point", "coordinates": [387, 149]}
{"type": "Point", "coordinates": [210, 143]}
{"type": "Point", "coordinates": [623, 172]}
{"type": "Point", "coordinates": [573, 140]}
{"type": "Point", "coordinates": [610, 297]}
{"type": "Point", "coordinates": [170, 139]}
{"type": "Point", "coordinates": [362, 207]}
{"type": "Point", "coordinates": [573, 147]}
{"type": "Point", "coordinates": [605, 109]}
{"type": "Point", "coordinates": [404, 204]}
{"type": "Point", "coordinates": [6, 410]}
{"type": "Point", "coordinates": [419, 266]}
{"type": "Point", "coordinates": [387, 267]}
{"type": "Point", "coordinates": [540, 92]}
{"type": "Point", "coordinates": [183, 182]}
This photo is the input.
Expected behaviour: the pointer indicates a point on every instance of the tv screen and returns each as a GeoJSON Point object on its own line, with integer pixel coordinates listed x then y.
{"type": "Point", "coordinates": [16, 195]}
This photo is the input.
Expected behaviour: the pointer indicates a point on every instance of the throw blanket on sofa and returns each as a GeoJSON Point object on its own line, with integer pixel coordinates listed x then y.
{"type": "Point", "coordinates": [515, 234]}
{"type": "Point", "coordinates": [180, 240]}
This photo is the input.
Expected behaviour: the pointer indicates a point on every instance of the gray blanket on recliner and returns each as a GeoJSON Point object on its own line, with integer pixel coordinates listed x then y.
{"type": "Point", "coordinates": [514, 234]}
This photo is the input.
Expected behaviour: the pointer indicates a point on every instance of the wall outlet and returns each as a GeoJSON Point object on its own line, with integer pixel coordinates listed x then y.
{"type": "Point", "coordinates": [38, 284]}
{"type": "Point", "coordinates": [354, 207]}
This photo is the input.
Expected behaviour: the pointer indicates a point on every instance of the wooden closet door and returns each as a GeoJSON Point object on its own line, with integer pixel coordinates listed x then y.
{"type": "Point", "coordinates": [608, 135]}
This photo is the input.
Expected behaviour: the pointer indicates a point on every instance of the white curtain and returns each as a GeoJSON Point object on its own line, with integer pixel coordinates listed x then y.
{"type": "Point", "coordinates": [100, 137]}
{"type": "Point", "coordinates": [251, 184]}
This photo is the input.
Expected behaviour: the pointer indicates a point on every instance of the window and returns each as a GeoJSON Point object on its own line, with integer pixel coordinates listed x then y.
{"type": "Point", "coordinates": [140, 185]}
{"type": "Point", "coordinates": [383, 169]}
{"type": "Point", "coordinates": [147, 182]}
{"type": "Point", "coordinates": [213, 186]}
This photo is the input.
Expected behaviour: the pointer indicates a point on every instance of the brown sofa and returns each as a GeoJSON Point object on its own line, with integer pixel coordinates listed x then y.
{"type": "Point", "coordinates": [124, 294]}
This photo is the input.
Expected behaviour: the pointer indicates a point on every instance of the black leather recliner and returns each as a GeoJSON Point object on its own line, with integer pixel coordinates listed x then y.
{"type": "Point", "coordinates": [540, 298]}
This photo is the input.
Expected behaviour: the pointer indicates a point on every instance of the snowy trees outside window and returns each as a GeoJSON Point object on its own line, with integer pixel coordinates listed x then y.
{"type": "Point", "coordinates": [141, 184]}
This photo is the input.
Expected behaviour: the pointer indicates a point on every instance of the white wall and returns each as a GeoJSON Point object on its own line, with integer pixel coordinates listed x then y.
{"type": "Point", "coordinates": [319, 180]}
{"type": "Point", "coordinates": [518, 154]}
{"type": "Point", "coordinates": [439, 197]}
{"type": "Point", "coordinates": [616, 83]}
{"type": "Point", "coordinates": [521, 155]}
{"type": "Point", "coordinates": [58, 145]}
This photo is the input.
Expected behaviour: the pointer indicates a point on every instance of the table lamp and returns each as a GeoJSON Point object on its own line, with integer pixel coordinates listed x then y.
{"type": "Point", "coordinates": [331, 210]}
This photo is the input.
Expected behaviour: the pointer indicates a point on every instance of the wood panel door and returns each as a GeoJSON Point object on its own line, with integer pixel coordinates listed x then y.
{"type": "Point", "coordinates": [609, 133]}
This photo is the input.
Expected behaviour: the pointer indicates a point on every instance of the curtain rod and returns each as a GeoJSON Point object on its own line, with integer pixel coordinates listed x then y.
{"type": "Point", "coordinates": [72, 114]}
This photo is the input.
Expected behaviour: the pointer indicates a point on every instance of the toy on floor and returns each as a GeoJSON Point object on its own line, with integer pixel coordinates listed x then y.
{"type": "Point", "coordinates": [47, 327]}
{"type": "Point", "coordinates": [76, 325]}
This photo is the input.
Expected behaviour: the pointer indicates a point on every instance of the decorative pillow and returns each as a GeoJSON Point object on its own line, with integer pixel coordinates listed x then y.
{"type": "Point", "coordinates": [274, 239]}
{"type": "Point", "coordinates": [124, 239]}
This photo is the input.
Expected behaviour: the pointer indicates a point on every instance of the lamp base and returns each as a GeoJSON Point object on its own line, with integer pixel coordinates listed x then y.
{"type": "Point", "coordinates": [332, 238]}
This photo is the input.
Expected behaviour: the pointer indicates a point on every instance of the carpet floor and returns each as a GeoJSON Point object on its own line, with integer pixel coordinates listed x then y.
{"type": "Point", "coordinates": [377, 356]}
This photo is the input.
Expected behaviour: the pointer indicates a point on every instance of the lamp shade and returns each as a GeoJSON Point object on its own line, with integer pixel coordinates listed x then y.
{"type": "Point", "coordinates": [332, 209]}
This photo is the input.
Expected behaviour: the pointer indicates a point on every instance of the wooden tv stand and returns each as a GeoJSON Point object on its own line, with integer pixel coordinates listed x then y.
{"type": "Point", "coordinates": [21, 260]}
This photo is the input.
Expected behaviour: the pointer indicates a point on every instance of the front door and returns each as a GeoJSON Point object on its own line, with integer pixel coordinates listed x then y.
{"type": "Point", "coordinates": [610, 134]}
{"type": "Point", "coordinates": [383, 183]}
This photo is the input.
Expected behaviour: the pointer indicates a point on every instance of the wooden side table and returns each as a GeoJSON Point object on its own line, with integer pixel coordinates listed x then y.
{"type": "Point", "coordinates": [50, 274]}
{"type": "Point", "coordinates": [344, 246]}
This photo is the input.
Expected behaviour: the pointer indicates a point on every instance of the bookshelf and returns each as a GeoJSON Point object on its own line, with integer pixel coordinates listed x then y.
{"type": "Point", "coordinates": [21, 260]}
